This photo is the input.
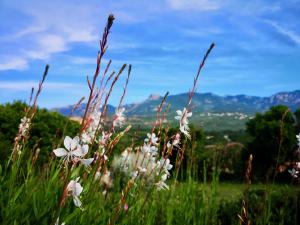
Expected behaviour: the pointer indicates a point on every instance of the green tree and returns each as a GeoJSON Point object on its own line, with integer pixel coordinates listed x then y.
{"type": "Point", "coordinates": [272, 138]}
{"type": "Point", "coordinates": [297, 117]}
{"type": "Point", "coordinates": [46, 131]}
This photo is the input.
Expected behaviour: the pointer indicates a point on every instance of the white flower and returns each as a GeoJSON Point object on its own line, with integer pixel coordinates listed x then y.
{"type": "Point", "coordinates": [104, 138]}
{"type": "Point", "coordinates": [24, 126]}
{"type": "Point", "coordinates": [74, 151]}
{"type": "Point", "coordinates": [148, 149]}
{"type": "Point", "coordinates": [119, 117]}
{"type": "Point", "coordinates": [86, 162]}
{"type": "Point", "coordinates": [183, 116]}
{"type": "Point", "coordinates": [226, 137]}
{"type": "Point", "coordinates": [126, 153]}
{"type": "Point", "coordinates": [57, 222]}
{"type": "Point", "coordinates": [165, 165]}
{"type": "Point", "coordinates": [134, 174]}
{"type": "Point", "coordinates": [86, 137]}
{"type": "Point", "coordinates": [142, 170]}
{"type": "Point", "coordinates": [125, 159]}
{"type": "Point", "coordinates": [152, 138]}
{"type": "Point", "coordinates": [161, 185]}
{"type": "Point", "coordinates": [106, 179]}
{"type": "Point", "coordinates": [298, 139]}
{"type": "Point", "coordinates": [75, 189]}
{"type": "Point", "coordinates": [96, 116]}
{"type": "Point", "coordinates": [294, 173]}
{"type": "Point", "coordinates": [93, 123]}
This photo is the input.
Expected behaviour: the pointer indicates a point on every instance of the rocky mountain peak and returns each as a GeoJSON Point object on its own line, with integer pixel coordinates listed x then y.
{"type": "Point", "coordinates": [154, 97]}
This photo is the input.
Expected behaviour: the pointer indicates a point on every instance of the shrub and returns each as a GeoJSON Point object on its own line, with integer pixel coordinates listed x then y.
{"type": "Point", "coordinates": [45, 134]}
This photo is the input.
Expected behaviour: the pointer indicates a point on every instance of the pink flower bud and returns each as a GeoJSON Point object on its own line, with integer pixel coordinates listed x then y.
{"type": "Point", "coordinates": [126, 207]}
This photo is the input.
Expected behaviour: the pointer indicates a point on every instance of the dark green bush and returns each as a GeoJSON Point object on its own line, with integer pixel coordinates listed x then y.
{"type": "Point", "coordinates": [265, 207]}
{"type": "Point", "coordinates": [46, 131]}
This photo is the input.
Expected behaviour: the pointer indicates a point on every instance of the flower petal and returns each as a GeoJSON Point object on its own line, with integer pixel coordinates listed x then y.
{"type": "Point", "coordinates": [74, 143]}
{"type": "Point", "coordinates": [67, 142]}
{"type": "Point", "coordinates": [59, 152]}
{"type": "Point", "coordinates": [77, 201]}
{"type": "Point", "coordinates": [79, 152]}
{"type": "Point", "coordinates": [179, 112]}
{"type": "Point", "coordinates": [77, 189]}
{"type": "Point", "coordinates": [71, 185]}
{"type": "Point", "coordinates": [87, 162]}
{"type": "Point", "coordinates": [85, 149]}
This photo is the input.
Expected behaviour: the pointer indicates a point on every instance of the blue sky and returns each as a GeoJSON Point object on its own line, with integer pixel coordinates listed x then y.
{"type": "Point", "coordinates": [257, 46]}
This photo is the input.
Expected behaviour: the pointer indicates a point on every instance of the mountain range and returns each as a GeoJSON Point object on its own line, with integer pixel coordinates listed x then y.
{"type": "Point", "coordinates": [205, 106]}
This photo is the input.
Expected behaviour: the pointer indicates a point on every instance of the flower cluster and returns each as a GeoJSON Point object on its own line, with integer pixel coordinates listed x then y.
{"type": "Point", "coordinates": [119, 118]}
{"type": "Point", "coordinates": [24, 126]}
{"type": "Point", "coordinates": [183, 116]}
{"type": "Point", "coordinates": [73, 151]}
{"type": "Point", "coordinates": [163, 166]}
{"type": "Point", "coordinates": [93, 124]}
{"type": "Point", "coordinates": [144, 164]}
{"type": "Point", "coordinates": [294, 172]}
{"type": "Point", "coordinates": [150, 145]}
{"type": "Point", "coordinates": [135, 164]}
{"type": "Point", "coordinates": [102, 140]}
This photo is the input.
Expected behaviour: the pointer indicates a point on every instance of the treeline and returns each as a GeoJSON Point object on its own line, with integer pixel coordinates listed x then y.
{"type": "Point", "coordinates": [270, 137]}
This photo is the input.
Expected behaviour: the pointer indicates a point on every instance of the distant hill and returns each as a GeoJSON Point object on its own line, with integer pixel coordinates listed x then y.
{"type": "Point", "coordinates": [209, 102]}
{"type": "Point", "coordinates": [209, 110]}
{"type": "Point", "coordinates": [67, 110]}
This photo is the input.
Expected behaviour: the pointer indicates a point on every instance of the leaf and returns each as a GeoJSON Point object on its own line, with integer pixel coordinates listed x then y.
{"type": "Point", "coordinates": [19, 191]}
{"type": "Point", "coordinates": [35, 208]}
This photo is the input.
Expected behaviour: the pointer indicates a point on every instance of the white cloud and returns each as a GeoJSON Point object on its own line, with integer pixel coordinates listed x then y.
{"type": "Point", "coordinates": [47, 45]}
{"type": "Point", "coordinates": [286, 32]}
{"type": "Point", "coordinates": [27, 85]}
{"type": "Point", "coordinates": [29, 30]}
{"type": "Point", "coordinates": [203, 5]}
{"type": "Point", "coordinates": [123, 45]}
{"type": "Point", "coordinates": [54, 26]}
{"type": "Point", "coordinates": [44, 47]}
{"type": "Point", "coordinates": [203, 32]}
{"type": "Point", "coordinates": [79, 60]}
{"type": "Point", "coordinates": [83, 36]}
{"type": "Point", "coordinates": [234, 7]}
{"type": "Point", "coordinates": [13, 64]}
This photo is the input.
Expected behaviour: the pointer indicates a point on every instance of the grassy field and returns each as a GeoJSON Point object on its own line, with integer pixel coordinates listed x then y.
{"type": "Point", "coordinates": [32, 197]}
{"type": "Point", "coordinates": [231, 191]}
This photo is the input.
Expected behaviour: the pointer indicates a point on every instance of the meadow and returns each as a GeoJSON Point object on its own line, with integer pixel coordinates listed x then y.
{"type": "Point", "coordinates": [102, 171]}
